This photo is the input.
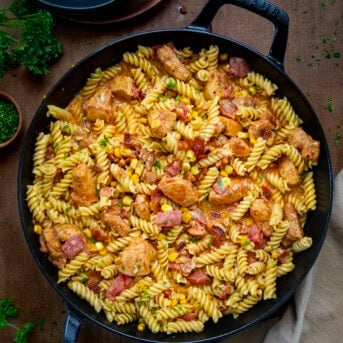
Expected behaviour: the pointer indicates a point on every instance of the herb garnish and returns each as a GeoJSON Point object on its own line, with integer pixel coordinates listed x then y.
{"type": "Point", "coordinates": [7, 311]}
{"type": "Point", "coordinates": [9, 120]}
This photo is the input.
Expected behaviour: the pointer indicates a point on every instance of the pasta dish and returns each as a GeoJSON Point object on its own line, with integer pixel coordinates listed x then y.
{"type": "Point", "coordinates": [174, 188]}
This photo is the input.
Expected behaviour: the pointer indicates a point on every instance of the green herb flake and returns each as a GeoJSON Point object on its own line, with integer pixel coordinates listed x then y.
{"type": "Point", "coordinates": [298, 58]}
{"type": "Point", "coordinates": [337, 139]}
{"type": "Point", "coordinates": [158, 164]}
{"type": "Point", "coordinates": [171, 84]}
{"type": "Point", "coordinates": [220, 182]}
{"type": "Point", "coordinates": [68, 209]}
{"type": "Point", "coordinates": [103, 143]}
{"type": "Point", "coordinates": [3, 221]}
{"type": "Point", "coordinates": [323, 4]}
{"type": "Point", "coordinates": [330, 105]}
{"type": "Point", "coordinates": [93, 240]}
{"type": "Point", "coordinates": [337, 55]}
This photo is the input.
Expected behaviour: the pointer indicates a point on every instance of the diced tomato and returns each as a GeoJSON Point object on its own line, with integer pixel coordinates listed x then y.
{"type": "Point", "coordinates": [218, 236]}
{"type": "Point", "coordinates": [190, 316]}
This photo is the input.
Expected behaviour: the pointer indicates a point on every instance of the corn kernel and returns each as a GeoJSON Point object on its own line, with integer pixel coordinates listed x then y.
{"type": "Point", "coordinates": [117, 152]}
{"type": "Point", "coordinates": [244, 240]}
{"type": "Point", "coordinates": [252, 140]}
{"type": "Point", "coordinates": [185, 100]}
{"type": "Point", "coordinates": [103, 252]}
{"type": "Point", "coordinates": [186, 216]}
{"type": "Point", "coordinates": [173, 303]}
{"type": "Point", "coordinates": [127, 200]}
{"type": "Point", "coordinates": [92, 248]}
{"type": "Point", "coordinates": [135, 179]}
{"type": "Point", "coordinates": [223, 173]}
{"type": "Point", "coordinates": [121, 163]}
{"type": "Point", "coordinates": [172, 255]}
{"type": "Point", "coordinates": [87, 232]}
{"type": "Point", "coordinates": [133, 163]}
{"type": "Point", "coordinates": [195, 170]}
{"type": "Point", "coordinates": [211, 148]}
{"type": "Point", "coordinates": [275, 254]}
{"type": "Point", "coordinates": [129, 173]}
{"type": "Point", "coordinates": [143, 120]}
{"type": "Point", "coordinates": [183, 301]}
{"type": "Point", "coordinates": [244, 93]}
{"type": "Point", "coordinates": [37, 229]}
{"type": "Point", "coordinates": [113, 183]}
{"type": "Point", "coordinates": [252, 90]}
{"type": "Point", "coordinates": [161, 237]}
{"type": "Point", "coordinates": [166, 207]}
{"type": "Point", "coordinates": [182, 296]}
{"type": "Point", "coordinates": [228, 169]}
{"type": "Point", "coordinates": [156, 123]}
{"type": "Point", "coordinates": [226, 181]}
{"type": "Point", "coordinates": [141, 327]}
{"type": "Point", "coordinates": [99, 246]}
{"type": "Point", "coordinates": [139, 170]}
{"type": "Point", "coordinates": [243, 135]}
{"type": "Point", "coordinates": [223, 56]}
{"type": "Point", "coordinates": [186, 166]}
{"type": "Point", "coordinates": [248, 221]}
{"type": "Point", "coordinates": [194, 114]}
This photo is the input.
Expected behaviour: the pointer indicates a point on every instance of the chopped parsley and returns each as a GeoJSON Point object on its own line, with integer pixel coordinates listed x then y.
{"type": "Point", "coordinates": [330, 105]}
{"type": "Point", "coordinates": [171, 84]}
{"type": "Point", "coordinates": [68, 209]}
{"type": "Point", "coordinates": [298, 58]}
{"type": "Point", "coordinates": [158, 164]}
{"type": "Point", "coordinates": [337, 139]}
{"type": "Point", "coordinates": [103, 142]}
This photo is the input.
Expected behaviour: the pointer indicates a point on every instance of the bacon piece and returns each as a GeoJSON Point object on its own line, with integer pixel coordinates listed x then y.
{"type": "Point", "coordinates": [167, 55]}
{"type": "Point", "coordinates": [118, 285]}
{"type": "Point", "coordinates": [218, 236]}
{"type": "Point", "coordinates": [130, 141]}
{"type": "Point", "coordinates": [199, 278]}
{"type": "Point", "coordinates": [189, 316]}
{"type": "Point", "coordinates": [238, 67]}
{"type": "Point", "coordinates": [169, 218]}
{"type": "Point", "coordinates": [173, 168]}
{"type": "Point", "coordinates": [94, 278]}
{"type": "Point", "coordinates": [99, 234]}
{"type": "Point", "coordinates": [72, 246]}
{"type": "Point", "coordinates": [179, 190]}
{"type": "Point", "coordinates": [226, 291]}
{"type": "Point", "coordinates": [198, 146]}
{"type": "Point", "coordinates": [255, 234]}
{"type": "Point", "coordinates": [182, 112]}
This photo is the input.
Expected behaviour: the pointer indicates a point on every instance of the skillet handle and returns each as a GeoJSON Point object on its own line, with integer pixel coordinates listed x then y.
{"type": "Point", "coordinates": [71, 327]}
{"type": "Point", "coordinates": [261, 7]}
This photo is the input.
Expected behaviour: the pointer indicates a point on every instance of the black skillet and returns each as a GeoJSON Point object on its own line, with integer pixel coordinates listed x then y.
{"type": "Point", "coordinates": [197, 36]}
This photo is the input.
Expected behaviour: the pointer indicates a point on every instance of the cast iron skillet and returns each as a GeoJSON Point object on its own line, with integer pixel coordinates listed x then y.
{"type": "Point", "coordinates": [196, 36]}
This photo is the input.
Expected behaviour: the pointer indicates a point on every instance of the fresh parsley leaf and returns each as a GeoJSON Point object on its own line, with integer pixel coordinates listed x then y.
{"type": "Point", "coordinates": [26, 330]}
{"type": "Point", "coordinates": [7, 310]}
{"type": "Point", "coordinates": [158, 164]}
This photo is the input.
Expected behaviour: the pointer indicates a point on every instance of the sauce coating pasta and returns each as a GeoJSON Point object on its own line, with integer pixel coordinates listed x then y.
{"type": "Point", "coordinates": [173, 189]}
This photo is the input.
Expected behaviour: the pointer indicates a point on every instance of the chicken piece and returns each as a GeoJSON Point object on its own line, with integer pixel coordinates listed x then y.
{"type": "Point", "coordinates": [218, 84]}
{"type": "Point", "coordinates": [123, 87]}
{"type": "Point", "coordinates": [260, 210]}
{"type": "Point", "coordinates": [99, 106]}
{"type": "Point", "coordinates": [112, 219]}
{"type": "Point", "coordinates": [289, 171]}
{"type": "Point", "coordinates": [295, 231]}
{"type": "Point", "coordinates": [75, 107]}
{"type": "Point", "coordinates": [232, 127]}
{"type": "Point", "coordinates": [228, 108]}
{"type": "Point", "coordinates": [161, 122]}
{"type": "Point", "coordinates": [239, 147]}
{"type": "Point", "coordinates": [179, 190]}
{"type": "Point", "coordinates": [262, 128]}
{"type": "Point", "coordinates": [135, 259]}
{"type": "Point", "coordinates": [142, 206]}
{"type": "Point", "coordinates": [54, 247]}
{"type": "Point", "coordinates": [237, 190]}
{"type": "Point", "coordinates": [65, 231]}
{"type": "Point", "coordinates": [309, 148]}
{"type": "Point", "coordinates": [167, 55]}
{"type": "Point", "coordinates": [83, 186]}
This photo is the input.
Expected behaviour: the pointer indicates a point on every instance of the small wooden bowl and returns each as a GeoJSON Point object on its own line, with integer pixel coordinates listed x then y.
{"type": "Point", "coordinates": [6, 97]}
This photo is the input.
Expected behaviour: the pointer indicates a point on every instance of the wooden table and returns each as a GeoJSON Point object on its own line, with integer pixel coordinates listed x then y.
{"type": "Point", "coordinates": [315, 34]}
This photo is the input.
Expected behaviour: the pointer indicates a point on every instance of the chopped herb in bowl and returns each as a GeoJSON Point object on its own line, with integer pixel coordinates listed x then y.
{"type": "Point", "coordinates": [10, 119]}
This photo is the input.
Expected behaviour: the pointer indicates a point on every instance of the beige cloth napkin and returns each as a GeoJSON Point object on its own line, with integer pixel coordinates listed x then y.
{"type": "Point", "coordinates": [315, 314]}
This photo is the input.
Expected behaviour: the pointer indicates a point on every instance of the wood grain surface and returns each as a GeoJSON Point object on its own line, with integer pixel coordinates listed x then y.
{"type": "Point", "coordinates": [315, 34]}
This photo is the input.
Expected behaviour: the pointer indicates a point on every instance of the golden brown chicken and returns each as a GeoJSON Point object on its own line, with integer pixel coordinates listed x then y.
{"type": "Point", "coordinates": [135, 259]}
{"type": "Point", "coordinates": [142, 206]}
{"type": "Point", "coordinates": [99, 106]}
{"type": "Point", "coordinates": [295, 231]}
{"type": "Point", "coordinates": [289, 171]}
{"type": "Point", "coordinates": [54, 247]}
{"type": "Point", "coordinates": [161, 122]}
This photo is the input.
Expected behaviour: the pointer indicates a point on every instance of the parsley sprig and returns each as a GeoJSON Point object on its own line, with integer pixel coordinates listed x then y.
{"type": "Point", "coordinates": [7, 311]}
